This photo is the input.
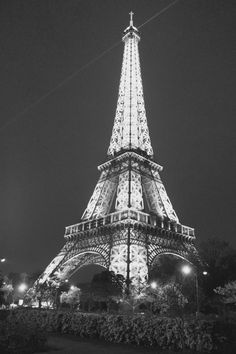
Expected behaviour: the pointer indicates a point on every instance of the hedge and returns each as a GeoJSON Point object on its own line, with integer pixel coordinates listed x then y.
{"type": "Point", "coordinates": [161, 332]}
{"type": "Point", "coordinates": [21, 337]}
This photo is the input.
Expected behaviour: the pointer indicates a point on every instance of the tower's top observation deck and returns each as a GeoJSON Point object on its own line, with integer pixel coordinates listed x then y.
{"type": "Point", "coordinates": [131, 30]}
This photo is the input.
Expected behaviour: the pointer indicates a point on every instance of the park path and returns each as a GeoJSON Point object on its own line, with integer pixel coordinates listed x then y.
{"type": "Point", "coordinates": [64, 344]}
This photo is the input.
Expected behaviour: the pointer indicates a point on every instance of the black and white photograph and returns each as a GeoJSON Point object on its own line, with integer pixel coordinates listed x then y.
{"type": "Point", "coordinates": [117, 182]}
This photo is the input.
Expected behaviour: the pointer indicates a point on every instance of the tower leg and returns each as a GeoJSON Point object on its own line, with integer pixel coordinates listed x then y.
{"type": "Point", "coordinates": [130, 260]}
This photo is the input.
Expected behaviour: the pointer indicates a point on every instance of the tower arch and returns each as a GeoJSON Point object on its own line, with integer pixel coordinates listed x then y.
{"type": "Point", "coordinates": [82, 259]}
{"type": "Point", "coordinates": [163, 252]}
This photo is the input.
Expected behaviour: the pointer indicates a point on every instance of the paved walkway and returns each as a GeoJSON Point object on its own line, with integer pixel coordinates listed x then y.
{"type": "Point", "coordinates": [60, 344]}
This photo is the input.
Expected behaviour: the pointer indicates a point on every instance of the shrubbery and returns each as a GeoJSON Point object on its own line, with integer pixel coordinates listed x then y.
{"type": "Point", "coordinates": [20, 336]}
{"type": "Point", "coordinates": [165, 333]}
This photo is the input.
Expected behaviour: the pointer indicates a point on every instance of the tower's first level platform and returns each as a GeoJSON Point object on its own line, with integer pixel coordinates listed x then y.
{"type": "Point", "coordinates": [133, 215]}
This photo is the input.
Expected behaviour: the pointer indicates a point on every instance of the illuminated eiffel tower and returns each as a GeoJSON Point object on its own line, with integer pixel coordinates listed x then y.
{"type": "Point", "coordinates": [129, 220]}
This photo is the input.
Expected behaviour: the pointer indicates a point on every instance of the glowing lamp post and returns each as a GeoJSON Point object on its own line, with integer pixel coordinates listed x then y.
{"type": "Point", "coordinates": [22, 287]}
{"type": "Point", "coordinates": [153, 285]}
{"type": "Point", "coordinates": [186, 270]}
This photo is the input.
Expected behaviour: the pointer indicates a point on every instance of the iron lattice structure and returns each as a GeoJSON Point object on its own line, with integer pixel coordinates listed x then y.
{"type": "Point", "coordinates": [129, 219]}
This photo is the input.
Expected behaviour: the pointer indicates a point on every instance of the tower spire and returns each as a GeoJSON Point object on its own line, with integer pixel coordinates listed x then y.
{"type": "Point", "coordinates": [131, 18]}
{"type": "Point", "coordinates": [130, 130]}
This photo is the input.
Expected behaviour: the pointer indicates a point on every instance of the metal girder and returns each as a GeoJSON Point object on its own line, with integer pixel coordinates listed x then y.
{"type": "Point", "coordinates": [101, 200]}
{"type": "Point", "coordinates": [135, 194]}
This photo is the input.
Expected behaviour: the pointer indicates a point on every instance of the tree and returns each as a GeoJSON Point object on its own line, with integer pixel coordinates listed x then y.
{"type": "Point", "coordinates": [11, 284]}
{"type": "Point", "coordinates": [165, 298]}
{"type": "Point", "coordinates": [72, 297]}
{"type": "Point", "coordinates": [227, 293]}
{"type": "Point", "coordinates": [220, 260]}
{"type": "Point", "coordinates": [45, 295]}
{"type": "Point", "coordinates": [86, 297]}
{"type": "Point", "coordinates": [107, 286]}
{"type": "Point", "coordinates": [10, 292]}
{"type": "Point", "coordinates": [6, 294]}
{"type": "Point", "coordinates": [167, 270]}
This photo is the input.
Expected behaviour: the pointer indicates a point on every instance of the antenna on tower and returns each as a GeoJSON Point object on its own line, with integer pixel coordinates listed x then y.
{"type": "Point", "coordinates": [131, 19]}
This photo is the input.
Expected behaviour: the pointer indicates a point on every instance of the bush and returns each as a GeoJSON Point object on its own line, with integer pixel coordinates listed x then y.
{"type": "Point", "coordinates": [18, 336]}
{"type": "Point", "coordinates": [165, 333]}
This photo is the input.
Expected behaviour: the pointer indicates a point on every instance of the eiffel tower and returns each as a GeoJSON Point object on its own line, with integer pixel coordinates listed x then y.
{"type": "Point", "coordinates": [129, 220]}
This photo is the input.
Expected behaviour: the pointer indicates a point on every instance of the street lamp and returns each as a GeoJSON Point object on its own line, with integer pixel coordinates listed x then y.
{"type": "Point", "coordinates": [22, 287]}
{"type": "Point", "coordinates": [153, 285]}
{"type": "Point", "coordinates": [186, 270]}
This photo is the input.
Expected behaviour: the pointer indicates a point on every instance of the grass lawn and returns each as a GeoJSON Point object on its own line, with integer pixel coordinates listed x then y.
{"type": "Point", "coordinates": [68, 344]}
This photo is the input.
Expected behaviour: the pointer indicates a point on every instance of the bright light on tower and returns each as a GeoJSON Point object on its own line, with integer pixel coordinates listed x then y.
{"type": "Point", "coordinates": [186, 269]}
{"type": "Point", "coordinates": [22, 287]}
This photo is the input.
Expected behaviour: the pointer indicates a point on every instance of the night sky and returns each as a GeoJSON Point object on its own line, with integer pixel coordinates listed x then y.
{"type": "Point", "coordinates": [49, 153]}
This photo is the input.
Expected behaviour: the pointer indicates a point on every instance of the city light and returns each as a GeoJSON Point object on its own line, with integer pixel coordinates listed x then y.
{"type": "Point", "coordinates": [22, 287]}
{"type": "Point", "coordinates": [153, 285]}
{"type": "Point", "coordinates": [186, 269]}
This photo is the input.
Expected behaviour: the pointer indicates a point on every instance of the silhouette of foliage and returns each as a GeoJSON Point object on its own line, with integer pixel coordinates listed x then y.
{"type": "Point", "coordinates": [220, 260]}
{"type": "Point", "coordinates": [227, 293]}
